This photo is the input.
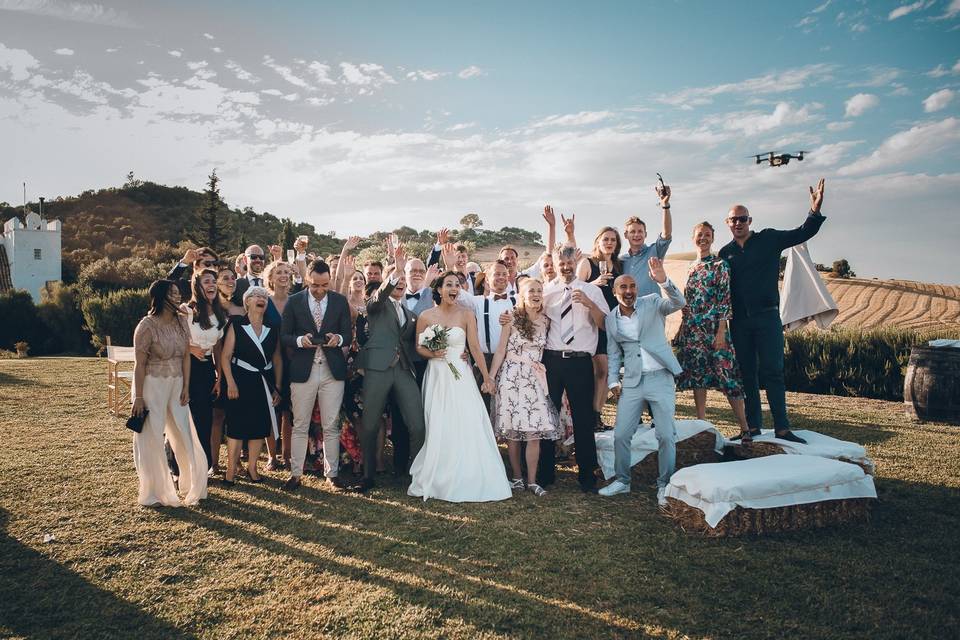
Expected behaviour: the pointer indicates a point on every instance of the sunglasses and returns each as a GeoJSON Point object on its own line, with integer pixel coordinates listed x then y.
{"type": "Point", "coordinates": [736, 219]}
{"type": "Point", "coordinates": [254, 256]}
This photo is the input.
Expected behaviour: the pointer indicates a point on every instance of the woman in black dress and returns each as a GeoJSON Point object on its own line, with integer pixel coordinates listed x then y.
{"type": "Point", "coordinates": [254, 373]}
{"type": "Point", "coordinates": [601, 268]}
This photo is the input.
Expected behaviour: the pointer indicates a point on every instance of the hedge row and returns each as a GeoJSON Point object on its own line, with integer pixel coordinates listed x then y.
{"type": "Point", "coordinates": [852, 362]}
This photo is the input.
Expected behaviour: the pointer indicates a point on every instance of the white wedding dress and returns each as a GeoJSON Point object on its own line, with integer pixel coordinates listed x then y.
{"type": "Point", "coordinates": [459, 461]}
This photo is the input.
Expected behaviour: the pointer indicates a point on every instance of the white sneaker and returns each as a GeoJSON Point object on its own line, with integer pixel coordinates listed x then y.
{"type": "Point", "coordinates": [662, 497]}
{"type": "Point", "coordinates": [614, 488]}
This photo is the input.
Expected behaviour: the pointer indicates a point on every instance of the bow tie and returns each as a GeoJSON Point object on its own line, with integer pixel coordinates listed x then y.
{"type": "Point", "coordinates": [499, 296]}
{"type": "Point", "coordinates": [415, 296]}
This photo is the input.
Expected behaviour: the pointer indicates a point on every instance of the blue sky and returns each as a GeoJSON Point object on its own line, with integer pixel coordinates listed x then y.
{"type": "Point", "coordinates": [362, 116]}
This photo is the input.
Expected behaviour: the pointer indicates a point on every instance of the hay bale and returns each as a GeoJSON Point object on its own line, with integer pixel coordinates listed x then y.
{"type": "Point", "coordinates": [818, 445]}
{"type": "Point", "coordinates": [698, 449]}
{"type": "Point", "coordinates": [741, 521]}
{"type": "Point", "coordinates": [768, 494]}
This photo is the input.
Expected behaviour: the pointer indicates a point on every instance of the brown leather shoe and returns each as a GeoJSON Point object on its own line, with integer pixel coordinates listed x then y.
{"type": "Point", "coordinates": [292, 484]}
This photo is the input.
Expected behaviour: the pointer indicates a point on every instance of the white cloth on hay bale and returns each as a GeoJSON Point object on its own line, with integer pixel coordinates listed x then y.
{"type": "Point", "coordinates": [645, 442]}
{"type": "Point", "coordinates": [817, 444]}
{"type": "Point", "coordinates": [763, 483]}
{"type": "Point", "coordinates": [805, 296]}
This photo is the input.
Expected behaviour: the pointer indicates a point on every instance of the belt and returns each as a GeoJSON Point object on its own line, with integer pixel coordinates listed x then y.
{"type": "Point", "coordinates": [755, 312]}
{"type": "Point", "coordinates": [567, 354]}
{"type": "Point", "coordinates": [243, 364]}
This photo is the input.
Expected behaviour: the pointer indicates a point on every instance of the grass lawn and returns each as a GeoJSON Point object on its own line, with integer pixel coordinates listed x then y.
{"type": "Point", "coordinates": [255, 562]}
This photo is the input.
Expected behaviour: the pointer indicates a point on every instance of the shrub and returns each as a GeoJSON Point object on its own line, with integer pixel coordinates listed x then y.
{"type": "Point", "coordinates": [19, 320]}
{"type": "Point", "coordinates": [60, 313]}
{"type": "Point", "coordinates": [852, 362]}
{"type": "Point", "coordinates": [841, 269]}
{"type": "Point", "coordinates": [115, 314]}
{"type": "Point", "coordinates": [105, 274]}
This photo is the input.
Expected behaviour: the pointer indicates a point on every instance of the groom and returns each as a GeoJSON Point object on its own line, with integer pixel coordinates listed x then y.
{"type": "Point", "coordinates": [636, 340]}
{"type": "Point", "coordinates": [387, 359]}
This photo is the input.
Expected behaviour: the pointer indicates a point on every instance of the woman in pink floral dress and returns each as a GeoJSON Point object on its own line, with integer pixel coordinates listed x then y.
{"type": "Point", "coordinates": [522, 410]}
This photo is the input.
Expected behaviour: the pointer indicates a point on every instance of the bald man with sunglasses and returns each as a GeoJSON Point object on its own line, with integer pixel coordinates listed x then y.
{"type": "Point", "coordinates": [754, 259]}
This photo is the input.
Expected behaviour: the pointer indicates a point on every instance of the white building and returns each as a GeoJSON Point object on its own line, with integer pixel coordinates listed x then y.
{"type": "Point", "coordinates": [30, 254]}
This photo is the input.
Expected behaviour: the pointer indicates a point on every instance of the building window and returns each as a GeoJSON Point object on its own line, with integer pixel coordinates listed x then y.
{"type": "Point", "coordinates": [36, 254]}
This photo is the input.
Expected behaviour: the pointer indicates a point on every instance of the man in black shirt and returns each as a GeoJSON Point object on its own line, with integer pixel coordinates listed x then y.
{"type": "Point", "coordinates": [754, 259]}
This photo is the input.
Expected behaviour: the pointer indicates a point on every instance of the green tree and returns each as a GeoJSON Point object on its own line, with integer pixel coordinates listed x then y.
{"type": "Point", "coordinates": [211, 227]}
{"type": "Point", "coordinates": [471, 221]}
{"type": "Point", "coordinates": [841, 269]}
{"type": "Point", "coordinates": [132, 181]}
{"type": "Point", "coordinates": [288, 234]}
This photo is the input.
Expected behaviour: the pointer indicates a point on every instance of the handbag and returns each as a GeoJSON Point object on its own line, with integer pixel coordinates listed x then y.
{"type": "Point", "coordinates": [135, 422]}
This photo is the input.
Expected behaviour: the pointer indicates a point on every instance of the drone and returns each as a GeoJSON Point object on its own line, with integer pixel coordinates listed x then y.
{"type": "Point", "coordinates": [778, 159]}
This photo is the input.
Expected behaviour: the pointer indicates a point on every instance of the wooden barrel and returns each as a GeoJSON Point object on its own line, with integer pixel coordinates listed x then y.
{"type": "Point", "coordinates": [931, 388]}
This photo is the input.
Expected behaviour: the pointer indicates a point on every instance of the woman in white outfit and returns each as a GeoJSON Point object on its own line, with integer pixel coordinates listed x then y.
{"type": "Point", "coordinates": [161, 383]}
{"type": "Point", "coordinates": [459, 461]}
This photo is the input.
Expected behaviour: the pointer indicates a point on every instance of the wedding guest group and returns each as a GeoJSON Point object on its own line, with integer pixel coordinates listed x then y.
{"type": "Point", "coordinates": [321, 359]}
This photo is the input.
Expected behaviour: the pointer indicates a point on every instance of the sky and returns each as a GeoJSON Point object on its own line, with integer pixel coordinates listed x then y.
{"type": "Point", "coordinates": [366, 116]}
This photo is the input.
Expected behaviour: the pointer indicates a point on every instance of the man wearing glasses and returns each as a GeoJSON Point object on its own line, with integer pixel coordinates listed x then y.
{"type": "Point", "coordinates": [256, 261]}
{"type": "Point", "coordinates": [754, 259]}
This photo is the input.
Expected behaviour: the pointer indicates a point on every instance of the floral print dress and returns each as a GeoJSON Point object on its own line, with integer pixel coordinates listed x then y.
{"type": "Point", "coordinates": [708, 302]}
{"type": "Point", "coordinates": [522, 409]}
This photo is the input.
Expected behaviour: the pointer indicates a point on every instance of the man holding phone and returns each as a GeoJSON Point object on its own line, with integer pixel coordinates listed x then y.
{"type": "Point", "coordinates": [316, 324]}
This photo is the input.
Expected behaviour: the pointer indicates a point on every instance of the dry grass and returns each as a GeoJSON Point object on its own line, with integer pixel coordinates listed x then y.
{"type": "Point", "coordinates": [254, 562]}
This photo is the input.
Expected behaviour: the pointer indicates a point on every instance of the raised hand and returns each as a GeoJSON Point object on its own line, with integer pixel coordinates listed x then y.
{"type": "Point", "coordinates": [190, 256]}
{"type": "Point", "coordinates": [351, 243]}
{"type": "Point", "coordinates": [443, 236]}
{"type": "Point", "coordinates": [568, 225]}
{"type": "Point", "coordinates": [816, 197]}
{"type": "Point", "coordinates": [300, 245]}
{"type": "Point", "coordinates": [400, 257]}
{"type": "Point", "coordinates": [664, 194]}
{"type": "Point", "coordinates": [448, 252]}
{"type": "Point", "coordinates": [276, 251]}
{"type": "Point", "coordinates": [549, 216]}
{"type": "Point", "coordinates": [657, 273]}
{"type": "Point", "coordinates": [432, 273]}
{"type": "Point", "coordinates": [348, 262]}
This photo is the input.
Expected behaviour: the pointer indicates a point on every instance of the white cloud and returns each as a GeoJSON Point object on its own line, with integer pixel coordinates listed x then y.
{"type": "Point", "coordinates": [201, 69]}
{"type": "Point", "coordinates": [753, 122]}
{"type": "Point", "coordinates": [905, 146]}
{"type": "Point", "coordinates": [426, 74]}
{"type": "Point", "coordinates": [208, 36]}
{"type": "Point", "coordinates": [271, 92]}
{"type": "Point", "coordinates": [291, 97]}
{"type": "Point", "coordinates": [822, 7]}
{"type": "Point", "coordinates": [938, 101]}
{"type": "Point", "coordinates": [320, 102]}
{"type": "Point", "coordinates": [112, 49]}
{"type": "Point", "coordinates": [938, 72]}
{"type": "Point", "coordinates": [839, 126]}
{"type": "Point", "coordinates": [462, 126]}
{"type": "Point", "coordinates": [89, 12]}
{"type": "Point", "coordinates": [829, 155]}
{"type": "Point", "coordinates": [573, 119]}
{"type": "Point", "coordinates": [321, 72]}
{"type": "Point", "coordinates": [900, 90]}
{"type": "Point", "coordinates": [17, 62]}
{"type": "Point", "coordinates": [859, 104]}
{"type": "Point", "coordinates": [63, 52]}
{"type": "Point", "coordinates": [176, 53]}
{"type": "Point", "coordinates": [774, 82]}
{"type": "Point", "coordinates": [286, 73]}
{"type": "Point", "coordinates": [472, 71]}
{"type": "Point", "coordinates": [366, 75]}
{"type": "Point", "coordinates": [907, 9]}
{"type": "Point", "coordinates": [956, 67]}
{"type": "Point", "coordinates": [952, 10]}
{"type": "Point", "coordinates": [216, 49]}
{"type": "Point", "coordinates": [241, 73]}
{"type": "Point", "coordinates": [859, 27]}
{"type": "Point", "coordinates": [806, 21]}
{"type": "Point", "coordinates": [878, 77]}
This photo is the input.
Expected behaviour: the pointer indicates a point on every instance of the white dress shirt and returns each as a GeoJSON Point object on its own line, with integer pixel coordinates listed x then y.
{"type": "Point", "coordinates": [488, 310]}
{"type": "Point", "coordinates": [413, 302]}
{"type": "Point", "coordinates": [314, 305]}
{"type": "Point", "coordinates": [585, 331]}
{"type": "Point", "coordinates": [629, 327]}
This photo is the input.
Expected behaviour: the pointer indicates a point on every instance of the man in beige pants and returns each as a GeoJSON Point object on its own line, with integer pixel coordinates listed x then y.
{"type": "Point", "coordinates": [316, 324]}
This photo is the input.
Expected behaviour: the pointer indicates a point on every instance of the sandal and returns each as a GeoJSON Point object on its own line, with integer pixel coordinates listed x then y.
{"type": "Point", "coordinates": [517, 483]}
{"type": "Point", "coordinates": [537, 490]}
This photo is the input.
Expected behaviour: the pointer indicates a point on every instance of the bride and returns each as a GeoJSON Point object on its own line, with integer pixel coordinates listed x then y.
{"type": "Point", "coordinates": [459, 461]}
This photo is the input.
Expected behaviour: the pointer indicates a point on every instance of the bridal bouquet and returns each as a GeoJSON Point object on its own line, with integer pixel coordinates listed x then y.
{"type": "Point", "coordinates": [436, 338]}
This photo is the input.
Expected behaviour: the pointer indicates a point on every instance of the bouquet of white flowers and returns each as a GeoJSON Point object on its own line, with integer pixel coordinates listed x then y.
{"type": "Point", "coordinates": [436, 338]}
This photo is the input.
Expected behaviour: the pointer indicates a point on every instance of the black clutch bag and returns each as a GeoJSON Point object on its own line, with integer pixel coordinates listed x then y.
{"type": "Point", "coordinates": [135, 423]}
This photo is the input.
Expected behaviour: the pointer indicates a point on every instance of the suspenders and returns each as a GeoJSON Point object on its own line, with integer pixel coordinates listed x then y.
{"type": "Point", "coordinates": [486, 318]}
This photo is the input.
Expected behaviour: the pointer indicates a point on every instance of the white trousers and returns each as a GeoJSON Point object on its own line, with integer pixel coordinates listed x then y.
{"type": "Point", "coordinates": [320, 387]}
{"type": "Point", "coordinates": [162, 399]}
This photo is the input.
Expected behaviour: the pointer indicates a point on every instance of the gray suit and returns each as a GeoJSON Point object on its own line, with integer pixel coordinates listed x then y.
{"type": "Point", "coordinates": [387, 360]}
{"type": "Point", "coordinates": [654, 387]}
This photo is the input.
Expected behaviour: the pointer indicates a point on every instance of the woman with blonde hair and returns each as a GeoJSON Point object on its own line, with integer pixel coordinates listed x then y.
{"type": "Point", "coordinates": [278, 280]}
{"type": "Point", "coordinates": [601, 268]}
{"type": "Point", "coordinates": [522, 410]}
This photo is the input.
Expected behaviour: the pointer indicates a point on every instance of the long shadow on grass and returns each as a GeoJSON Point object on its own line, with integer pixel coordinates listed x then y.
{"type": "Point", "coordinates": [40, 598]}
{"type": "Point", "coordinates": [425, 568]}
{"type": "Point", "coordinates": [14, 381]}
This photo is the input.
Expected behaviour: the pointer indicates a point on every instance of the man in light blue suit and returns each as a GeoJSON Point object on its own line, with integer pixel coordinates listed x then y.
{"type": "Point", "coordinates": [636, 340]}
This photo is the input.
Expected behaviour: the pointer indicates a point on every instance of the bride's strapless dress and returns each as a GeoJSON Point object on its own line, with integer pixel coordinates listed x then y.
{"type": "Point", "coordinates": [459, 461]}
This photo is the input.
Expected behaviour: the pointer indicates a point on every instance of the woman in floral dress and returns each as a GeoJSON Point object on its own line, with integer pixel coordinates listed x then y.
{"type": "Point", "coordinates": [522, 410]}
{"type": "Point", "coordinates": [703, 342]}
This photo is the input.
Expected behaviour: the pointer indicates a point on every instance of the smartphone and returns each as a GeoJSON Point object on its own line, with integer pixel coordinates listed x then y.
{"type": "Point", "coordinates": [302, 239]}
{"type": "Point", "coordinates": [660, 180]}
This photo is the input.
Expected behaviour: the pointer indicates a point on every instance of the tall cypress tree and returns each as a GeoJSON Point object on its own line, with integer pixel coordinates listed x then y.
{"type": "Point", "coordinates": [210, 229]}
{"type": "Point", "coordinates": [287, 235]}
